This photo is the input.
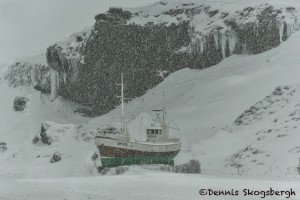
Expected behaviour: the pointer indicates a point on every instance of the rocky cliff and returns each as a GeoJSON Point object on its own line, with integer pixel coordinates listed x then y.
{"type": "Point", "coordinates": [149, 43]}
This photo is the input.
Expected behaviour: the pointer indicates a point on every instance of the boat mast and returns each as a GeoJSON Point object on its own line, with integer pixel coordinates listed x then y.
{"type": "Point", "coordinates": [122, 105]}
{"type": "Point", "coordinates": [164, 126]}
{"type": "Point", "coordinates": [164, 121]}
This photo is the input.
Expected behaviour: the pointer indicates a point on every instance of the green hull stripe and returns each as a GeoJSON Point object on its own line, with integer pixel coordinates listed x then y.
{"type": "Point", "coordinates": [117, 161]}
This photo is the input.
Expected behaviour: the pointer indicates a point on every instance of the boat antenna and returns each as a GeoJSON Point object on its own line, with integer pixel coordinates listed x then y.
{"type": "Point", "coordinates": [122, 104]}
{"type": "Point", "coordinates": [163, 110]}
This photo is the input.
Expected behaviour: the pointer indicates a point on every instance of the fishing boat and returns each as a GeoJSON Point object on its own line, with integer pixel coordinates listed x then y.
{"type": "Point", "coordinates": [121, 149]}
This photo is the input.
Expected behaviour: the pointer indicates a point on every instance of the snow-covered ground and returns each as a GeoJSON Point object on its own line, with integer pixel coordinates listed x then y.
{"type": "Point", "coordinates": [140, 186]}
{"type": "Point", "coordinates": [204, 104]}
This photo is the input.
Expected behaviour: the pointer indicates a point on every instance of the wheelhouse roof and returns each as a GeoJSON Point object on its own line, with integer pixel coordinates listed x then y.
{"type": "Point", "coordinates": [153, 128]}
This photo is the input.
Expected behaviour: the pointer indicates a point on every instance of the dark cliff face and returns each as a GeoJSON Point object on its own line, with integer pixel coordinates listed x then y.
{"type": "Point", "coordinates": [148, 52]}
{"type": "Point", "coordinates": [253, 37]}
{"type": "Point", "coordinates": [145, 54]}
{"type": "Point", "coordinates": [140, 52]}
{"type": "Point", "coordinates": [259, 36]}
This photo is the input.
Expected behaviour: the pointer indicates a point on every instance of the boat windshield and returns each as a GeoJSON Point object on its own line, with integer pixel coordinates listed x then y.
{"type": "Point", "coordinates": [153, 131]}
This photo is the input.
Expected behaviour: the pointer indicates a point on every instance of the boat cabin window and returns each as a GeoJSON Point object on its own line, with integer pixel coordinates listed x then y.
{"type": "Point", "coordinates": [153, 131]}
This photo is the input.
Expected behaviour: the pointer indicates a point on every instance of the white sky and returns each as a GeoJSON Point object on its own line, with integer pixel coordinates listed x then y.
{"type": "Point", "coordinates": [28, 26]}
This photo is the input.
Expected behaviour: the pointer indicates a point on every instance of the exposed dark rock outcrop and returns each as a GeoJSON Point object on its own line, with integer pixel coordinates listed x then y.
{"type": "Point", "coordinates": [114, 16]}
{"type": "Point", "coordinates": [35, 140]}
{"type": "Point", "coordinates": [56, 157]}
{"type": "Point", "coordinates": [46, 139]}
{"type": "Point", "coordinates": [260, 35]}
{"type": "Point", "coordinates": [3, 147]}
{"type": "Point", "coordinates": [20, 103]}
{"type": "Point", "coordinates": [147, 47]}
{"type": "Point", "coordinates": [142, 52]}
{"type": "Point", "coordinates": [278, 98]}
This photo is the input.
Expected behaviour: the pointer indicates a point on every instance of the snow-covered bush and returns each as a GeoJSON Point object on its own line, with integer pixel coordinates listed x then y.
{"type": "Point", "coordinates": [183, 168]}
{"type": "Point", "coordinates": [166, 168]}
{"type": "Point", "coordinates": [193, 167]}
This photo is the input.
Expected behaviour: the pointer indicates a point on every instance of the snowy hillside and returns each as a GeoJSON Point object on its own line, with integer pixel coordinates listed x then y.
{"type": "Point", "coordinates": [239, 118]}
{"type": "Point", "coordinates": [207, 104]}
{"type": "Point", "coordinates": [218, 126]}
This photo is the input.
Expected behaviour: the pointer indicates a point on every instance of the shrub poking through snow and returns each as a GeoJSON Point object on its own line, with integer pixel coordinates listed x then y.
{"type": "Point", "coordinates": [193, 167]}
{"type": "Point", "coordinates": [183, 168]}
{"type": "Point", "coordinates": [56, 157]}
{"type": "Point", "coordinates": [166, 168]}
{"type": "Point", "coordinates": [95, 156]}
{"type": "Point", "coordinates": [20, 103]}
{"type": "Point", "coordinates": [298, 167]}
{"type": "Point", "coordinates": [103, 170]}
{"type": "Point", "coordinates": [121, 170]}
